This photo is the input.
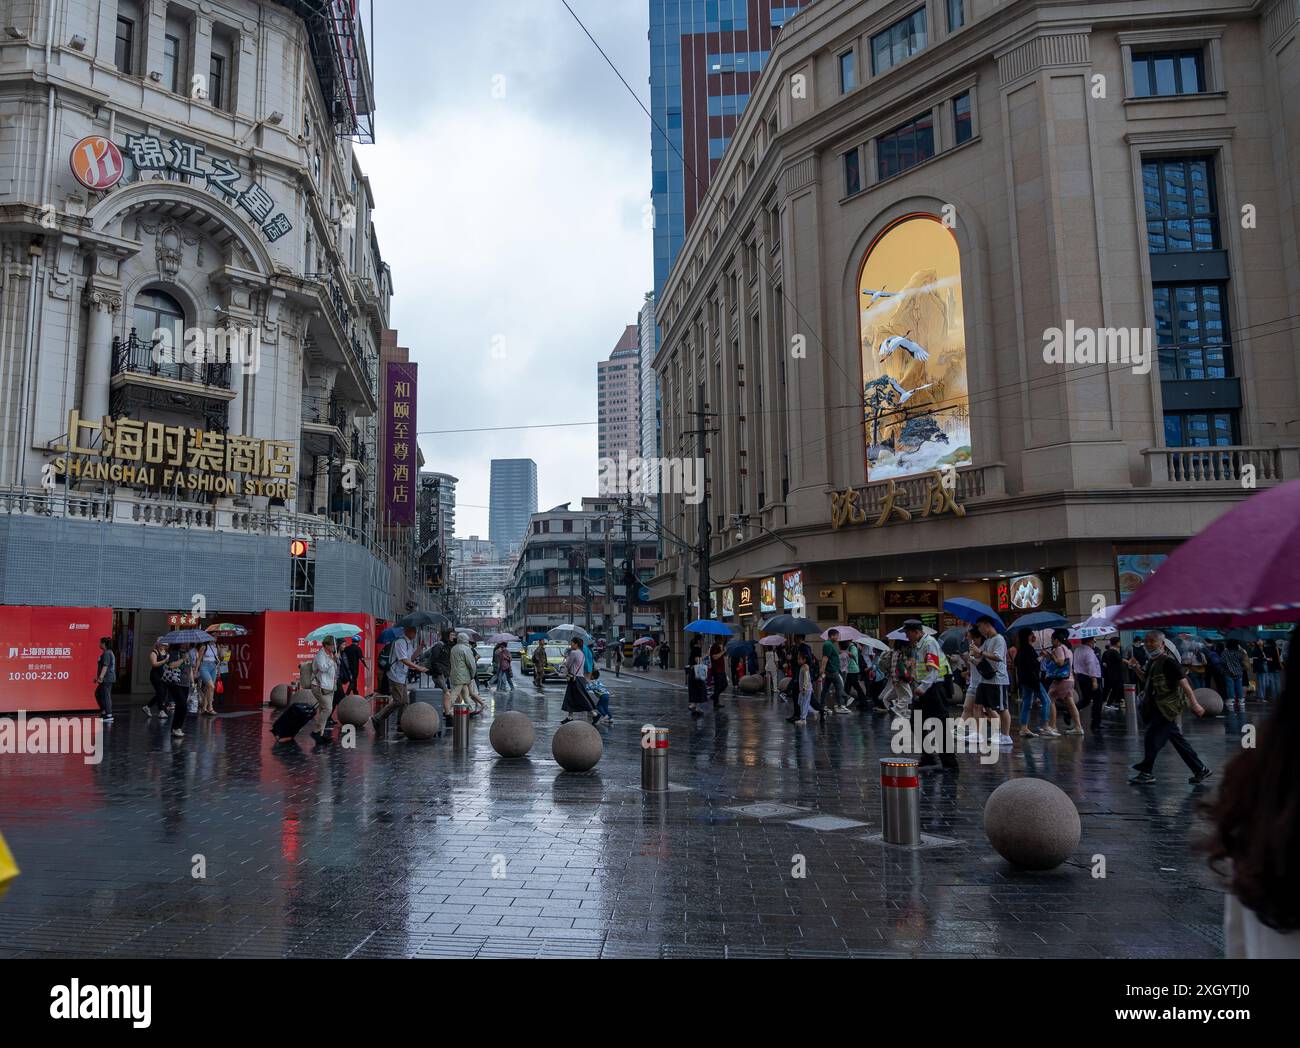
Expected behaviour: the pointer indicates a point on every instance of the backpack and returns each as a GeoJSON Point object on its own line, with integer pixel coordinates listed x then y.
{"type": "Point", "coordinates": [385, 656]}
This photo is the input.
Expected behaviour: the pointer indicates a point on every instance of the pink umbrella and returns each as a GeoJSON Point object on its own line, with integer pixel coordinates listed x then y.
{"type": "Point", "coordinates": [772, 642]}
{"type": "Point", "coordinates": [643, 642]}
{"type": "Point", "coordinates": [1240, 571]}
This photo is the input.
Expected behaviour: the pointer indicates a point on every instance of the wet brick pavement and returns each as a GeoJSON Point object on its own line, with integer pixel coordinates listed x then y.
{"type": "Point", "coordinates": [390, 849]}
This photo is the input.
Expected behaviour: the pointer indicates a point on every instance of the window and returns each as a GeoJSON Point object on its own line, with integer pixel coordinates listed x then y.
{"type": "Point", "coordinates": [956, 15]}
{"type": "Point", "coordinates": [847, 69]}
{"type": "Point", "coordinates": [124, 50]}
{"type": "Point", "coordinates": [905, 146]}
{"type": "Point", "coordinates": [963, 129]}
{"type": "Point", "coordinates": [852, 173]}
{"type": "Point", "coordinates": [1181, 209]}
{"type": "Point", "coordinates": [1157, 73]}
{"type": "Point", "coordinates": [217, 82]}
{"type": "Point", "coordinates": [1198, 429]}
{"type": "Point", "coordinates": [172, 63]}
{"type": "Point", "coordinates": [1192, 332]}
{"type": "Point", "coordinates": [159, 321]}
{"type": "Point", "coordinates": [902, 39]}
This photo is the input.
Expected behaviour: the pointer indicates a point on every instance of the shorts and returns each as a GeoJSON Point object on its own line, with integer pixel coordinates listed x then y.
{"type": "Point", "coordinates": [208, 672]}
{"type": "Point", "coordinates": [992, 696]}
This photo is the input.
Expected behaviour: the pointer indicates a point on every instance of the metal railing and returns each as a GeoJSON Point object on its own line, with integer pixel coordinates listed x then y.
{"type": "Point", "coordinates": [136, 356]}
{"type": "Point", "coordinates": [324, 411]}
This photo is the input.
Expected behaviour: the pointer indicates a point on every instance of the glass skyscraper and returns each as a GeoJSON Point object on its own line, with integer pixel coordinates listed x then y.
{"type": "Point", "coordinates": [704, 57]}
{"type": "Point", "coordinates": [511, 501]}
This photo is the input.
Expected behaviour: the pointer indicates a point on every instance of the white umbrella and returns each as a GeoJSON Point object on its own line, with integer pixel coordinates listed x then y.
{"type": "Point", "coordinates": [873, 644]}
{"type": "Point", "coordinates": [1085, 631]}
{"type": "Point", "coordinates": [900, 635]}
{"type": "Point", "coordinates": [845, 632]}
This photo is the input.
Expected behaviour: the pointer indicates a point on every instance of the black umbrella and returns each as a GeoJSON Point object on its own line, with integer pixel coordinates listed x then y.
{"type": "Point", "coordinates": [738, 648]}
{"type": "Point", "coordinates": [789, 626]}
{"type": "Point", "coordinates": [953, 642]}
{"type": "Point", "coordinates": [425, 620]}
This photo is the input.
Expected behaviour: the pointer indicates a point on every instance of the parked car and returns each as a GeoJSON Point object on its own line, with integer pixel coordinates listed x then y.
{"type": "Point", "coordinates": [484, 669]}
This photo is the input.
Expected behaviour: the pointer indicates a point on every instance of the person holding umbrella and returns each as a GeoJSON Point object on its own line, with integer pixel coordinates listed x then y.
{"type": "Point", "coordinates": [1166, 692]}
{"type": "Point", "coordinates": [399, 675]}
{"type": "Point", "coordinates": [325, 674]}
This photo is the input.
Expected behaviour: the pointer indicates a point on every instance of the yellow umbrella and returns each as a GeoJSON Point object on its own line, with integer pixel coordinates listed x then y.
{"type": "Point", "coordinates": [8, 868]}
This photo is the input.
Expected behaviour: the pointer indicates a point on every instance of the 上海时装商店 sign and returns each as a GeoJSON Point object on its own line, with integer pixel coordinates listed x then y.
{"type": "Point", "coordinates": [177, 458]}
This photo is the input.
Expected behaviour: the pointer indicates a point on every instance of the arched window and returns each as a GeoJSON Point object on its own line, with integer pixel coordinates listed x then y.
{"type": "Point", "coordinates": [159, 322]}
{"type": "Point", "coordinates": [916, 399]}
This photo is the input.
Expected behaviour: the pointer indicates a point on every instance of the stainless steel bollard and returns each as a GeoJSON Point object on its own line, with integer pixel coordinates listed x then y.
{"type": "Point", "coordinates": [900, 800]}
{"type": "Point", "coordinates": [654, 760]}
{"type": "Point", "coordinates": [1131, 708]}
{"type": "Point", "coordinates": [460, 726]}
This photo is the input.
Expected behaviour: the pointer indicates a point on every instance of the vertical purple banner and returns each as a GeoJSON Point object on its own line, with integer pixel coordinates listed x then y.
{"type": "Point", "coordinates": [401, 461]}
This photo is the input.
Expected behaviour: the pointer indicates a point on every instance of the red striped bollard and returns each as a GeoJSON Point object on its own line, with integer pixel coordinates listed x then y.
{"type": "Point", "coordinates": [900, 800]}
{"type": "Point", "coordinates": [654, 759]}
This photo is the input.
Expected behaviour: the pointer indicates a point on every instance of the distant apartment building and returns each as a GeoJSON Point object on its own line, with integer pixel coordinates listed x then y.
{"type": "Point", "coordinates": [618, 399]}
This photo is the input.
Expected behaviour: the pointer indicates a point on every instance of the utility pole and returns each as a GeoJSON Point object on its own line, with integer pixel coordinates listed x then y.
{"type": "Point", "coordinates": [606, 523]}
{"type": "Point", "coordinates": [586, 578]}
{"type": "Point", "coordinates": [706, 529]}
{"type": "Point", "coordinates": [631, 582]}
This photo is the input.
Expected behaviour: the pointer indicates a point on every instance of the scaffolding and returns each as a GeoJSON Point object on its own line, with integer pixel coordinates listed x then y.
{"type": "Point", "coordinates": [342, 61]}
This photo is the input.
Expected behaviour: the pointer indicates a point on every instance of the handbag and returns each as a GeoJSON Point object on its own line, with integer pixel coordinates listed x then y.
{"type": "Point", "coordinates": [220, 689]}
{"type": "Point", "coordinates": [987, 669]}
{"type": "Point", "coordinates": [702, 671]}
{"type": "Point", "coordinates": [1052, 671]}
{"type": "Point", "coordinates": [192, 705]}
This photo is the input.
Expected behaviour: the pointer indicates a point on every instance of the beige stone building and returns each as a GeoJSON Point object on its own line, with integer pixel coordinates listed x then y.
{"type": "Point", "coordinates": [1024, 273]}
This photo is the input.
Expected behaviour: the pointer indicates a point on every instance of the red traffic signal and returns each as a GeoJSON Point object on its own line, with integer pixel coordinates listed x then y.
{"type": "Point", "coordinates": [299, 547]}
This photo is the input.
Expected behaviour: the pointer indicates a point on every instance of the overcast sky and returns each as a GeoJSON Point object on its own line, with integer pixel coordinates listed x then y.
{"type": "Point", "coordinates": [512, 222]}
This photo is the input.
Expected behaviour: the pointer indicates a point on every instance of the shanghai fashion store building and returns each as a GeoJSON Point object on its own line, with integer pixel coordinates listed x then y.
{"type": "Point", "coordinates": [191, 305]}
{"type": "Point", "coordinates": [989, 299]}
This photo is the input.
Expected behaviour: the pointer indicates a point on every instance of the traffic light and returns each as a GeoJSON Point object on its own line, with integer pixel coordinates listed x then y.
{"type": "Point", "coordinates": [299, 548]}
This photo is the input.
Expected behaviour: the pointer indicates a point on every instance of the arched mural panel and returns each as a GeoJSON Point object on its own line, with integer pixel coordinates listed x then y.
{"type": "Point", "coordinates": [912, 334]}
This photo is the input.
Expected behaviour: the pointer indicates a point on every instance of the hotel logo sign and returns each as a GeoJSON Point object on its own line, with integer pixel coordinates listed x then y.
{"type": "Point", "coordinates": [97, 163]}
{"type": "Point", "coordinates": [176, 458]}
{"type": "Point", "coordinates": [149, 153]}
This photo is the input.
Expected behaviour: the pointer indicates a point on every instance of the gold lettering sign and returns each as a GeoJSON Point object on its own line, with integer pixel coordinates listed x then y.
{"type": "Point", "coordinates": [940, 498]}
{"type": "Point", "coordinates": [176, 457]}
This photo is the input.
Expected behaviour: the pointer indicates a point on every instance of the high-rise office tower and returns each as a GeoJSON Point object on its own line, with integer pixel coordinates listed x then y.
{"type": "Point", "coordinates": [512, 500]}
{"type": "Point", "coordinates": [704, 57]}
{"type": "Point", "coordinates": [618, 400]}
{"type": "Point", "coordinates": [649, 385]}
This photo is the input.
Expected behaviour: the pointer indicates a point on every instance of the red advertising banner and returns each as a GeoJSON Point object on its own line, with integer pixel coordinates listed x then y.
{"type": "Point", "coordinates": [48, 657]}
{"type": "Point", "coordinates": [287, 647]}
{"type": "Point", "coordinates": [401, 456]}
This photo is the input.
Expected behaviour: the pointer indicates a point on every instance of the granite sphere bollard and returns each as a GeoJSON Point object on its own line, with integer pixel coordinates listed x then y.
{"type": "Point", "coordinates": [577, 746]}
{"type": "Point", "coordinates": [280, 696]}
{"type": "Point", "coordinates": [784, 683]}
{"type": "Point", "coordinates": [752, 685]}
{"type": "Point", "coordinates": [1211, 700]}
{"type": "Point", "coordinates": [512, 734]}
{"type": "Point", "coordinates": [1032, 824]}
{"type": "Point", "coordinates": [354, 710]}
{"type": "Point", "coordinates": [420, 721]}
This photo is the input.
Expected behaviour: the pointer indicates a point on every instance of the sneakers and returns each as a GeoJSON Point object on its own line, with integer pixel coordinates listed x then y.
{"type": "Point", "coordinates": [1050, 733]}
{"type": "Point", "coordinates": [1076, 730]}
{"type": "Point", "coordinates": [841, 709]}
{"type": "Point", "coordinates": [1026, 733]}
{"type": "Point", "coordinates": [800, 723]}
{"type": "Point", "coordinates": [106, 718]}
{"type": "Point", "coordinates": [1142, 778]}
{"type": "Point", "coordinates": [1005, 740]}
{"type": "Point", "coordinates": [1200, 776]}
{"type": "Point", "coordinates": [180, 735]}
{"type": "Point", "coordinates": [321, 737]}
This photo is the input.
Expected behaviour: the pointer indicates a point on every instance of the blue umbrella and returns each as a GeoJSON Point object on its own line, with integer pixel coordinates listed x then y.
{"type": "Point", "coordinates": [972, 611]}
{"type": "Point", "coordinates": [1039, 620]}
{"type": "Point", "coordinates": [710, 627]}
{"type": "Point", "coordinates": [337, 630]}
{"type": "Point", "coordinates": [391, 634]}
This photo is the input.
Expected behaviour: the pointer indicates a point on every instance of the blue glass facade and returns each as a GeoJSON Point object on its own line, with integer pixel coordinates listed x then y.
{"type": "Point", "coordinates": [705, 56]}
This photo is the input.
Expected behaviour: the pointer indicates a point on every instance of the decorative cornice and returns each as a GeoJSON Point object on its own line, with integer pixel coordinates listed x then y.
{"type": "Point", "coordinates": [101, 298]}
{"type": "Point", "coordinates": [1046, 50]}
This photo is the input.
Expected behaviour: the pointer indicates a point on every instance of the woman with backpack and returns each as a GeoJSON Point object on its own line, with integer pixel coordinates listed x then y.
{"type": "Point", "coordinates": [179, 676]}
{"type": "Point", "coordinates": [1058, 671]}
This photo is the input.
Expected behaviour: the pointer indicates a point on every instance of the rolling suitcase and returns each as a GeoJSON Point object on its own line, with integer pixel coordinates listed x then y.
{"type": "Point", "coordinates": [293, 720]}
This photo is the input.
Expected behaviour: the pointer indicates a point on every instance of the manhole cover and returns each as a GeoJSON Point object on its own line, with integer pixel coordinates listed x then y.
{"type": "Point", "coordinates": [827, 822]}
{"type": "Point", "coordinates": [766, 811]}
{"type": "Point", "coordinates": [928, 840]}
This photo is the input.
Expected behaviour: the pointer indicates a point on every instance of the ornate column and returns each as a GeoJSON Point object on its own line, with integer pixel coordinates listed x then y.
{"type": "Point", "coordinates": [103, 303]}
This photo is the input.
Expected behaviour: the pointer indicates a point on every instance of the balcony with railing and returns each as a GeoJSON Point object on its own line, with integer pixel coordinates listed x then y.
{"type": "Point", "coordinates": [136, 359]}
{"type": "Point", "coordinates": [1224, 465]}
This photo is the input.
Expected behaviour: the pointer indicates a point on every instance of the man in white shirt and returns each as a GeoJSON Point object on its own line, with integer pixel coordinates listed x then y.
{"type": "Point", "coordinates": [400, 667]}
{"type": "Point", "coordinates": [992, 693]}
{"type": "Point", "coordinates": [325, 675]}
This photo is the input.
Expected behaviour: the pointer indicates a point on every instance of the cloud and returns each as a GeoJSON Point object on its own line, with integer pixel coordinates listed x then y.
{"type": "Point", "coordinates": [513, 225]}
